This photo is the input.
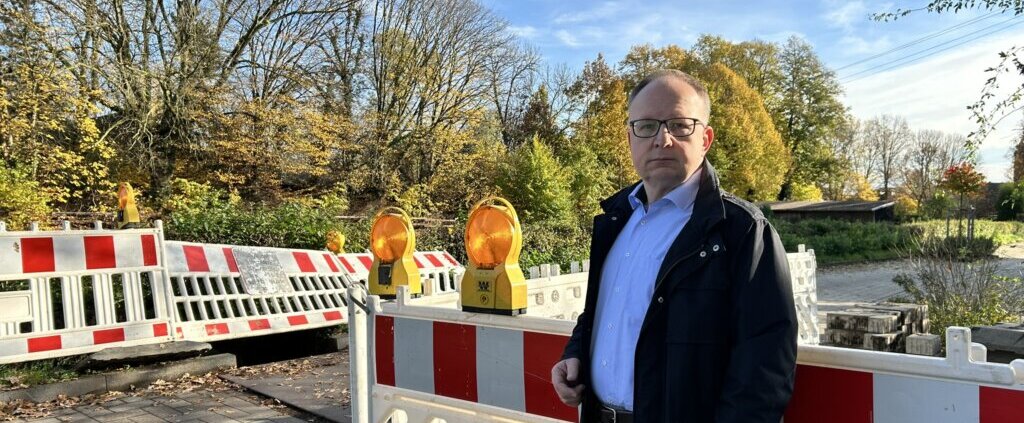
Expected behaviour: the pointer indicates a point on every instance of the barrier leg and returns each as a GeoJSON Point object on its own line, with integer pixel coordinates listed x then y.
{"type": "Point", "coordinates": [357, 354]}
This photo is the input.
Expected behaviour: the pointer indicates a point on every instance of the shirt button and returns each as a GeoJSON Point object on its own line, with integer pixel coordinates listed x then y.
{"type": "Point", "coordinates": [604, 363]}
{"type": "Point", "coordinates": [627, 254]}
{"type": "Point", "coordinates": [661, 300]}
{"type": "Point", "coordinates": [643, 222]}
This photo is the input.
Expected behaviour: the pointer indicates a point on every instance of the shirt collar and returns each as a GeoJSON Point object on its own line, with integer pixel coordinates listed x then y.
{"type": "Point", "coordinates": [682, 195]}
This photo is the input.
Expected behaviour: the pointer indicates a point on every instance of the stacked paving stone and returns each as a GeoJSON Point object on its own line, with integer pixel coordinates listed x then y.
{"type": "Point", "coordinates": [877, 327]}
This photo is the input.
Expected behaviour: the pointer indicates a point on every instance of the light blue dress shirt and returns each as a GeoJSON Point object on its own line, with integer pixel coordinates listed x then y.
{"type": "Point", "coordinates": [627, 284]}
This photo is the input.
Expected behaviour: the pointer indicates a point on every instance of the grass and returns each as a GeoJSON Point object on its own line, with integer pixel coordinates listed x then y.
{"type": "Point", "coordinates": [36, 373]}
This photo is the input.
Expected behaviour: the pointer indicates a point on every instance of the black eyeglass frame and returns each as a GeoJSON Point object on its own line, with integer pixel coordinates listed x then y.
{"type": "Point", "coordinates": [693, 126]}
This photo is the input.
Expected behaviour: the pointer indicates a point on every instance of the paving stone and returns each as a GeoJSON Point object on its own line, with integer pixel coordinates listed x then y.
{"type": "Point", "coordinates": [888, 342]}
{"type": "Point", "coordinates": [924, 344]}
{"type": "Point", "coordinates": [846, 338]}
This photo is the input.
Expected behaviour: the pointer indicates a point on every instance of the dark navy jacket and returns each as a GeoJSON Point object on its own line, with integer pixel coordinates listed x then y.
{"type": "Point", "coordinates": [718, 343]}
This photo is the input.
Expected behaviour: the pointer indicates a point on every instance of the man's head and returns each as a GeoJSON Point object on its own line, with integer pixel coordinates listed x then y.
{"type": "Point", "coordinates": [663, 104]}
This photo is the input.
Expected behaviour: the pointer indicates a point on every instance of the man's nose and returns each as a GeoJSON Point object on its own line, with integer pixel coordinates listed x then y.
{"type": "Point", "coordinates": [663, 138]}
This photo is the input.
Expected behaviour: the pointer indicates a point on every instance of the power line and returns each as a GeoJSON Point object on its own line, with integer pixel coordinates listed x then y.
{"type": "Point", "coordinates": [911, 58]}
{"type": "Point", "coordinates": [920, 40]}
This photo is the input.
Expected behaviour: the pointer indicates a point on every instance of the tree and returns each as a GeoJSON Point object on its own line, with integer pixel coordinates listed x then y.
{"type": "Point", "coordinates": [889, 136]}
{"type": "Point", "coordinates": [755, 61]}
{"type": "Point", "coordinates": [511, 73]}
{"type": "Point", "coordinates": [928, 154]}
{"type": "Point", "coordinates": [844, 143]}
{"type": "Point", "coordinates": [963, 180]}
{"type": "Point", "coordinates": [748, 152]}
{"type": "Point", "coordinates": [536, 184]}
{"type": "Point", "coordinates": [1018, 156]}
{"type": "Point", "coordinates": [809, 113]}
{"type": "Point", "coordinates": [602, 129]}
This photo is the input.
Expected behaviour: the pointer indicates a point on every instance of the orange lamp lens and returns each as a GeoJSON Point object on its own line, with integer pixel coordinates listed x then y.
{"type": "Point", "coordinates": [389, 238]}
{"type": "Point", "coordinates": [489, 236]}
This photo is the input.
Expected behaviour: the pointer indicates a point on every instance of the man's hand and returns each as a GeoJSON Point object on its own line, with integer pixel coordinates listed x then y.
{"type": "Point", "coordinates": [565, 377]}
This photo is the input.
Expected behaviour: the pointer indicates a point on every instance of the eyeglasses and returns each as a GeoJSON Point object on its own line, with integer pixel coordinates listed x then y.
{"type": "Point", "coordinates": [678, 127]}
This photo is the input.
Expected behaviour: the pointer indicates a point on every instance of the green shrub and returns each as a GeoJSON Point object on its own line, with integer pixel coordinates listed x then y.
{"type": "Point", "coordinates": [839, 241]}
{"type": "Point", "coordinates": [1001, 233]}
{"type": "Point", "coordinates": [548, 242]}
{"type": "Point", "coordinates": [959, 284]}
{"type": "Point", "coordinates": [22, 200]}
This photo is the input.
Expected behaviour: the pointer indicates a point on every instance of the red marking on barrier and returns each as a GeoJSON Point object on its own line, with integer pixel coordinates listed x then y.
{"type": "Point", "coordinates": [44, 343]}
{"type": "Point", "coordinates": [195, 257]}
{"type": "Point", "coordinates": [330, 263]}
{"type": "Point", "coordinates": [450, 259]}
{"type": "Point", "coordinates": [347, 265]}
{"type": "Point", "coordinates": [297, 320]}
{"type": "Point", "coordinates": [217, 329]}
{"type": "Point", "coordinates": [107, 336]}
{"type": "Point", "coordinates": [843, 395]}
{"type": "Point", "coordinates": [455, 360]}
{"type": "Point", "coordinates": [1000, 405]}
{"type": "Point", "coordinates": [149, 250]}
{"type": "Point", "coordinates": [434, 260]}
{"type": "Point", "coordinates": [384, 349]}
{"type": "Point", "coordinates": [229, 256]}
{"type": "Point", "coordinates": [37, 255]}
{"type": "Point", "coordinates": [367, 261]}
{"type": "Point", "coordinates": [99, 252]}
{"type": "Point", "coordinates": [259, 324]}
{"type": "Point", "coordinates": [541, 351]}
{"type": "Point", "coordinates": [179, 332]}
{"type": "Point", "coordinates": [305, 264]}
{"type": "Point", "coordinates": [160, 329]}
{"type": "Point", "coordinates": [418, 264]}
{"type": "Point", "coordinates": [332, 315]}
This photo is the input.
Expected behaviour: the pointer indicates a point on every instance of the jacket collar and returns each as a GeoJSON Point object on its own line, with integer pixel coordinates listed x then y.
{"type": "Point", "coordinates": [708, 208]}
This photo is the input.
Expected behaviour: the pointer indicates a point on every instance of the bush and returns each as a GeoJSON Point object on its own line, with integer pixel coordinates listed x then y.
{"type": "Point", "coordinates": [555, 243]}
{"type": "Point", "coordinates": [199, 213]}
{"type": "Point", "coordinates": [1010, 202]}
{"type": "Point", "coordinates": [21, 199]}
{"type": "Point", "coordinates": [960, 289]}
{"type": "Point", "coordinates": [840, 241]}
{"type": "Point", "coordinates": [1001, 233]}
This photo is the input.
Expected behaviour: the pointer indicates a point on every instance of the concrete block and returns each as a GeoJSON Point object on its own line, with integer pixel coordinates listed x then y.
{"type": "Point", "coordinates": [1004, 341]}
{"type": "Point", "coordinates": [845, 338]}
{"type": "Point", "coordinates": [124, 381]}
{"type": "Point", "coordinates": [909, 313]}
{"type": "Point", "coordinates": [863, 320]}
{"type": "Point", "coordinates": [924, 344]}
{"type": "Point", "coordinates": [888, 342]}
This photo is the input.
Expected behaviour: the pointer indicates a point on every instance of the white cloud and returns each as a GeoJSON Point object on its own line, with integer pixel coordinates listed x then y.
{"type": "Point", "coordinates": [847, 14]}
{"type": "Point", "coordinates": [527, 32]}
{"type": "Point", "coordinates": [566, 38]}
{"type": "Point", "coordinates": [854, 45]}
{"type": "Point", "coordinates": [935, 92]}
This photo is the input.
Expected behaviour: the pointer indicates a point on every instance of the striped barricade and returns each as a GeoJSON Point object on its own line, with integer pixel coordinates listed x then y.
{"type": "Point", "coordinates": [223, 292]}
{"type": "Point", "coordinates": [425, 363]}
{"type": "Point", "coordinates": [74, 292]}
{"type": "Point", "coordinates": [439, 271]}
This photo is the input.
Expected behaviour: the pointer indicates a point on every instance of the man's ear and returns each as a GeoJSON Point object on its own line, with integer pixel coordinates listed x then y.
{"type": "Point", "coordinates": [709, 138]}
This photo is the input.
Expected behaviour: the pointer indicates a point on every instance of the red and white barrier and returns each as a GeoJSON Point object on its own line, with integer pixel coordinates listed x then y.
{"type": "Point", "coordinates": [429, 362]}
{"type": "Point", "coordinates": [223, 291]}
{"type": "Point", "coordinates": [74, 292]}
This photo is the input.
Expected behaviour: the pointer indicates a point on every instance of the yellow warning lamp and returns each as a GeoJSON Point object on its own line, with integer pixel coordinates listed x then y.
{"type": "Point", "coordinates": [494, 283]}
{"type": "Point", "coordinates": [392, 242]}
{"type": "Point", "coordinates": [336, 242]}
{"type": "Point", "coordinates": [127, 211]}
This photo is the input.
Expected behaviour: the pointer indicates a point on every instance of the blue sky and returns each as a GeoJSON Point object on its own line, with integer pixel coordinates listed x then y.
{"type": "Point", "coordinates": [931, 92]}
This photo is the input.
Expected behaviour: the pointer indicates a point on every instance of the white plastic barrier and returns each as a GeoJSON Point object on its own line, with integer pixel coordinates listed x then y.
{"type": "Point", "coordinates": [803, 270]}
{"type": "Point", "coordinates": [73, 292]}
{"type": "Point", "coordinates": [222, 291]}
{"type": "Point", "coordinates": [424, 363]}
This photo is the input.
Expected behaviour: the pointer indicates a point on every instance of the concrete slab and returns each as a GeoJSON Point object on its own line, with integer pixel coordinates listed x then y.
{"type": "Point", "coordinates": [144, 354]}
{"type": "Point", "coordinates": [318, 392]}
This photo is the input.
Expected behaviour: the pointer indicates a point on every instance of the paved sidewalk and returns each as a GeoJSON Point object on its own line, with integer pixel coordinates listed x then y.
{"type": "Point", "coordinates": [196, 406]}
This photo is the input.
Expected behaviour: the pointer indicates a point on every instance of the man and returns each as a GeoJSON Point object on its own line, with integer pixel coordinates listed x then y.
{"type": "Point", "coordinates": [689, 313]}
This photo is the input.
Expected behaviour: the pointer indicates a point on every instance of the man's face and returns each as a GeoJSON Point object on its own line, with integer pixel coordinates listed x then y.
{"type": "Point", "coordinates": [665, 160]}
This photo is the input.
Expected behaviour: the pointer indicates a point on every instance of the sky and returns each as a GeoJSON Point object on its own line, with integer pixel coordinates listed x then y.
{"type": "Point", "coordinates": [930, 82]}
